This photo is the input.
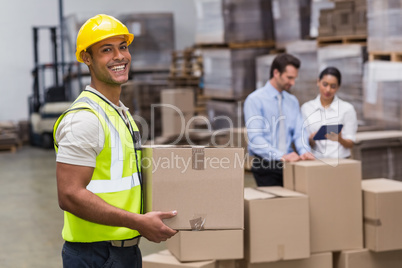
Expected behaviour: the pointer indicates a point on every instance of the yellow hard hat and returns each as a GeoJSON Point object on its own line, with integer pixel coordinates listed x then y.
{"type": "Point", "coordinates": [97, 29]}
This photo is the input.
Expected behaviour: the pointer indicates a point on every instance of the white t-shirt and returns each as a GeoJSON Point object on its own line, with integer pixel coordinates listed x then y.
{"type": "Point", "coordinates": [80, 135]}
{"type": "Point", "coordinates": [339, 112]}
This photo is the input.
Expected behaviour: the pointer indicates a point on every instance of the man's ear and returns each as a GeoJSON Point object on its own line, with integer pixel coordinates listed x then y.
{"type": "Point", "coordinates": [276, 73]}
{"type": "Point", "coordinates": [86, 58]}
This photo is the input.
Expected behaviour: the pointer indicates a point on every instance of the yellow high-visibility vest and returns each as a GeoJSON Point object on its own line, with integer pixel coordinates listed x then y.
{"type": "Point", "coordinates": [116, 178]}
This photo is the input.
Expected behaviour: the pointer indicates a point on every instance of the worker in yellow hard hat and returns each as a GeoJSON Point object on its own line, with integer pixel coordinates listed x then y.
{"type": "Point", "coordinates": [98, 170]}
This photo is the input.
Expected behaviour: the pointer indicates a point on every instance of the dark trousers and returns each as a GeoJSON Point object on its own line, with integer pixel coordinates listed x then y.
{"type": "Point", "coordinates": [100, 254]}
{"type": "Point", "coordinates": [266, 172]}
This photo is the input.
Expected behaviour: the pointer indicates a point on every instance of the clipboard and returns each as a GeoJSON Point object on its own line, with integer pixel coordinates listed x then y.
{"type": "Point", "coordinates": [325, 129]}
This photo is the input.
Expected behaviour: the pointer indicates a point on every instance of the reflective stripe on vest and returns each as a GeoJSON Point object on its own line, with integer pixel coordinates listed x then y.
{"type": "Point", "coordinates": [116, 169]}
{"type": "Point", "coordinates": [116, 185]}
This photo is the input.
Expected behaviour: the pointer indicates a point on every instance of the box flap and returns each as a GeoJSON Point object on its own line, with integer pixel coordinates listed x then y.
{"type": "Point", "coordinates": [254, 194]}
{"type": "Point", "coordinates": [381, 185]}
{"type": "Point", "coordinates": [325, 162]}
{"type": "Point", "coordinates": [280, 192]}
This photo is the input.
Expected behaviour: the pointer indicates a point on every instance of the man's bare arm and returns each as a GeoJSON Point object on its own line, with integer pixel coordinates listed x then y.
{"type": "Point", "coordinates": [76, 199]}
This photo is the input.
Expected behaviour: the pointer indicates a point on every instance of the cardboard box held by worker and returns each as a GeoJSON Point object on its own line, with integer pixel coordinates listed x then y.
{"type": "Point", "coordinates": [207, 245]}
{"type": "Point", "coordinates": [204, 185]}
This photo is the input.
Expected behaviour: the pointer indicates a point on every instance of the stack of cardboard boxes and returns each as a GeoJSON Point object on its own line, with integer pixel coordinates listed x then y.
{"type": "Point", "coordinates": [379, 152]}
{"type": "Point", "coordinates": [154, 39]}
{"type": "Point", "coordinates": [232, 33]}
{"type": "Point", "coordinates": [229, 74]}
{"type": "Point", "coordinates": [177, 111]}
{"type": "Point", "coordinates": [291, 20]}
{"type": "Point", "coordinates": [10, 137]}
{"type": "Point", "coordinates": [233, 21]}
{"type": "Point", "coordinates": [383, 25]}
{"type": "Point", "coordinates": [317, 220]}
{"type": "Point", "coordinates": [347, 18]}
{"type": "Point", "coordinates": [382, 223]}
{"type": "Point", "coordinates": [305, 88]}
{"type": "Point", "coordinates": [382, 85]}
{"type": "Point", "coordinates": [205, 186]}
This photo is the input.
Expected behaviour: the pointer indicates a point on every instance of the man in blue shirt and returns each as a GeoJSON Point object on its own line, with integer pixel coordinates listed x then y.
{"type": "Point", "coordinates": [274, 121]}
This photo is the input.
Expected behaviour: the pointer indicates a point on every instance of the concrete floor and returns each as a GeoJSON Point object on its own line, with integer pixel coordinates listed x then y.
{"type": "Point", "coordinates": [31, 220]}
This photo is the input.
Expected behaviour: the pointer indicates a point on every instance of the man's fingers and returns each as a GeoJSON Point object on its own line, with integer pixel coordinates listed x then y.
{"type": "Point", "coordinates": [168, 215]}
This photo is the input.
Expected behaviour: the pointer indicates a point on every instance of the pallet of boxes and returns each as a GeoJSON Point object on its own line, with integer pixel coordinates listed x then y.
{"type": "Point", "coordinates": [382, 79]}
{"type": "Point", "coordinates": [230, 35]}
{"type": "Point", "coordinates": [154, 35]}
{"type": "Point", "coordinates": [10, 136]}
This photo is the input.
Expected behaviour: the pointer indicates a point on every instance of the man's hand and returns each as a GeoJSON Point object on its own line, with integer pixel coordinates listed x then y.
{"type": "Point", "coordinates": [292, 157]}
{"type": "Point", "coordinates": [153, 228]}
{"type": "Point", "coordinates": [307, 156]}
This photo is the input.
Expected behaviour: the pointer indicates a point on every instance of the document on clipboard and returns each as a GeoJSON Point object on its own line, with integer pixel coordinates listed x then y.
{"type": "Point", "coordinates": [326, 129]}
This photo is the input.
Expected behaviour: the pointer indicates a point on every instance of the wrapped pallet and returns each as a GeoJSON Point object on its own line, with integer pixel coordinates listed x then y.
{"type": "Point", "coordinates": [380, 153]}
{"type": "Point", "coordinates": [154, 39]}
{"type": "Point", "coordinates": [383, 25]}
{"type": "Point", "coordinates": [349, 59]}
{"type": "Point", "coordinates": [343, 17]}
{"type": "Point", "coordinates": [225, 114]}
{"type": "Point", "coordinates": [230, 73]}
{"type": "Point", "coordinates": [292, 20]}
{"type": "Point", "coordinates": [383, 93]}
{"type": "Point", "coordinates": [305, 88]}
{"type": "Point", "coordinates": [319, 18]}
{"type": "Point", "coordinates": [263, 67]}
{"type": "Point", "coordinates": [360, 17]}
{"type": "Point", "coordinates": [233, 21]}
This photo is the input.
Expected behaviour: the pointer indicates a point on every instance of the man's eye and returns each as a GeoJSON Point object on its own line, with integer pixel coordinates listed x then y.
{"type": "Point", "coordinates": [106, 50]}
{"type": "Point", "coordinates": [123, 47]}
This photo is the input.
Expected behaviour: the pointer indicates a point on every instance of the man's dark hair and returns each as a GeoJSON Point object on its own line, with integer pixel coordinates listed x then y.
{"type": "Point", "coordinates": [332, 71]}
{"type": "Point", "coordinates": [281, 61]}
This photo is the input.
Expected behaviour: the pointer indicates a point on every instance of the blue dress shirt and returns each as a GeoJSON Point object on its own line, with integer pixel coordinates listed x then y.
{"type": "Point", "coordinates": [262, 117]}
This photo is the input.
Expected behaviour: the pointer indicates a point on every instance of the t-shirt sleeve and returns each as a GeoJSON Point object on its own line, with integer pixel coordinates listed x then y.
{"type": "Point", "coordinates": [80, 138]}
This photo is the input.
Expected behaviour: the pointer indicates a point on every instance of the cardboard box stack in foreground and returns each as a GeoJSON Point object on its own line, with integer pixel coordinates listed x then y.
{"type": "Point", "coordinates": [316, 221]}
{"type": "Point", "coordinates": [205, 186]}
{"type": "Point", "coordinates": [382, 214]}
{"type": "Point", "coordinates": [276, 225]}
{"type": "Point", "coordinates": [335, 199]}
